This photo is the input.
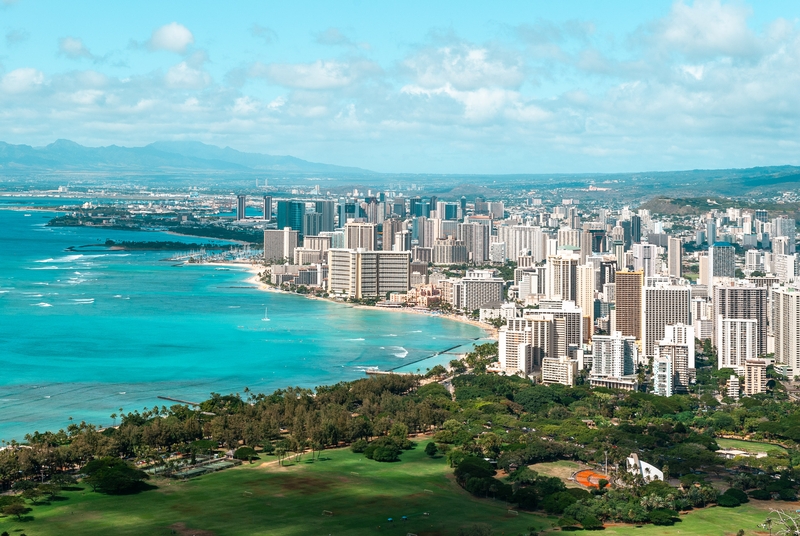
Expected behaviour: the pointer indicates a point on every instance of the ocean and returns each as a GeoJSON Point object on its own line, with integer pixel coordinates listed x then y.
{"type": "Point", "coordinates": [86, 333]}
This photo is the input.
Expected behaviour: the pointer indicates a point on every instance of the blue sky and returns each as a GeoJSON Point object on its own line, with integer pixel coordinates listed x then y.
{"type": "Point", "coordinates": [441, 87]}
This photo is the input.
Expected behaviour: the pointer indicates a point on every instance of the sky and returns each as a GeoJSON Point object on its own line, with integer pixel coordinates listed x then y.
{"type": "Point", "coordinates": [415, 86]}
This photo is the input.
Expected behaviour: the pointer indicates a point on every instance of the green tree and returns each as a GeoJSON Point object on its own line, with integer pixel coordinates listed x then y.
{"type": "Point", "coordinates": [430, 449]}
{"type": "Point", "coordinates": [16, 509]}
{"type": "Point", "coordinates": [113, 476]}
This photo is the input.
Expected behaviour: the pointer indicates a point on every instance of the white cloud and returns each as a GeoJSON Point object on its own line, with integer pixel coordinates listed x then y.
{"type": "Point", "coordinates": [318, 75]}
{"type": "Point", "coordinates": [73, 48]}
{"type": "Point", "coordinates": [184, 76]}
{"type": "Point", "coordinates": [465, 67]}
{"type": "Point", "coordinates": [22, 80]}
{"type": "Point", "coordinates": [173, 37]}
{"type": "Point", "coordinates": [707, 29]}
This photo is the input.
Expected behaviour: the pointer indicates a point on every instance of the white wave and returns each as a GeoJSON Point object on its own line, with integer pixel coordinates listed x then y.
{"type": "Point", "coordinates": [45, 260]}
{"type": "Point", "coordinates": [358, 339]}
{"type": "Point", "coordinates": [398, 351]}
{"type": "Point", "coordinates": [417, 331]}
{"type": "Point", "coordinates": [47, 396]}
{"type": "Point", "coordinates": [32, 295]}
{"type": "Point", "coordinates": [41, 304]}
{"type": "Point", "coordinates": [45, 284]}
{"type": "Point", "coordinates": [68, 258]}
{"type": "Point", "coordinates": [83, 300]}
{"type": "Point", "coordinates": [123, 392]}
{"type": "Point", "coordinates": [45, 268]}
{"type": "Point", "coordinates": [391, 335]}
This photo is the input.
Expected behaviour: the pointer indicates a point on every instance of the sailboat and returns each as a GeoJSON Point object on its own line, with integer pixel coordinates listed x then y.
{"type": "Point", "coordinates": [266, 318]}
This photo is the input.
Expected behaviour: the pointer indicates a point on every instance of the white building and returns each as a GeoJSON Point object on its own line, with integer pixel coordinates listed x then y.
{"type": "Point", "coordinates": [357, 273]}
{"type": "Point", "coordinates": [614, 355]}
{"type": "Point", "coordinates": [786, 326]}
{"type": "Point", "coordinates": [663, 305]}
{"type": "Point", "coordinates": [663, 376]}
{"type": "Point", "coordinates": [279, 245]}
{"type": "Point", "coordinates": [562, 370]}
{"type": "Point", "coordinates": [736, 342]}
{"type": "Point", "coordinates": [755, 377]}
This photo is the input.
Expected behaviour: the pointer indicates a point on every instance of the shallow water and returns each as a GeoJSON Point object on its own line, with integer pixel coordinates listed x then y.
{"type": "Point", "coordinates": [85, 334]}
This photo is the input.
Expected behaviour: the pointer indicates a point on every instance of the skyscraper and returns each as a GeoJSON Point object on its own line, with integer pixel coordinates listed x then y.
{"type": "Point", "coordinates": [279, 245]}
{"type": "Point", "coordinates": [360, 235]}
{"type": "Point", "coordinates": [736, 299]}
{"type": "Point", "coordinates": [290, 214]}
{"type": "Point", "coordinates": [786, 326]}
{"type": "Point", "coordinates": [721, 261]}
{"type": "Point", "coordinates": [266, 208]}
{"type": "Point", "coordinates": [241, 207]}
{"type": "Point", "coordinates": [674, 256]}
{"type": "Point", "coordinates": [783, 226]}
{"type": "Point", "coordinates": [629, 303]}
{"type": "Point", "coordinates": [636, 228]}
{"type": "Point", "coordinates": [561, 276]}
{"type": "Point", "coordinates": [736, 342]}
{"type": "Point", "coordinates": [327, 209]}
{"type": "Point", "coordinates": [663, 304]}
{"type": "Point", "coordinates": [584, 297]}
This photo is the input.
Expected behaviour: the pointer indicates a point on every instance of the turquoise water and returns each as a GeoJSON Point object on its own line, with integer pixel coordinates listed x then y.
{"type": "Point", "coordinates": [83, 334]}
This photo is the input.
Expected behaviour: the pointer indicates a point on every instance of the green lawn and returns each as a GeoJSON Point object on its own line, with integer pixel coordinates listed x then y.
{"type": "Point", "coordinates": [715, 520]}
{"type": "Point", "coordinates": [257, 499]}
{"type": "Point", "coordinates": [562, 469]}
{"type": "Point", "coordinates": [263, 498]}
{"type": "Point", "coordinates": [749, 446]}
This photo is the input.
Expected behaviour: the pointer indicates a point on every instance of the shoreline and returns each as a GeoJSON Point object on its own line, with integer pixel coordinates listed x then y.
{"type": "Point", "coordinates": [255, 270]}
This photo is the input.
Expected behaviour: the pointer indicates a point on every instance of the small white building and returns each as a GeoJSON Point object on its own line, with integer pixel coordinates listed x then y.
{"type": "Point", "coordinates": [562, 370]}
{"type": "Point", "coordinates": [647, 471]}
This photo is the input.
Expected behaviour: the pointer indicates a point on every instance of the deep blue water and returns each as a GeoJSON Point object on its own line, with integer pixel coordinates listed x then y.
{"type": "Point", "coordinates": [85, 334]}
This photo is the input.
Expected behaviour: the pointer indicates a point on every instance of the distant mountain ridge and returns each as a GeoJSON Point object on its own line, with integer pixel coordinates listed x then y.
{"type": "Point", "coordinates": [66, 155]}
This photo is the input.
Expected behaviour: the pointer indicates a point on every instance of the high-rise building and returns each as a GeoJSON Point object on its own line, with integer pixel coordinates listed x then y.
{"type": "Point", "coordinates": [390, 228]}
{"type": "Point", "coordinates": [711, 231]}
{"type": "Point", "coordinates": [735, 299]}
{"type": "Point", "coordinates": [360, 236]}
{"type": "Point", "coordinates": [721, 261]}
{"type": "Point", "coordinates": [584, 297]}
{"type": "Point", "coordinates": [628, 308]}
{"type": "Point", "coordinates": [449, 251]}
{"type": "Point", "coordinates": [736, 342]}
{"type": "Point", "coordinates": [782, 226]}
{"type": "Point", "coordinates": [241, 207]}
{"type": "Point", "coordinates": [290, 214]}
{"type": "Point", "coordinates": [561, 276]}
{"type": "Point", "coordinates": [755, 377]}
{"type": "Point", "coordinates": [358, 273]}
{"type": "Point", "coordinates": [663, 304]}
{"type": "Point", "coordinates": [266, 208]}
{"type": "Point", "coordinates": [663, 376]}
{"type": "Point", "coordinates": [524, 342]}
{"type": "Point", "coordinates": [279, 245]}
{"type": "Point", "coordinates": [636, 228]}
{"type": "Point", "coordinates": [645, 259]}
{"type": "Point", "coordinates": [328, 211]}
{"type": "Point", "coordinates": [561, 370]}
{"type": "Point", "coordinates": [786, 327]}
{"type": "Point", "coordinates": [476, 238]}
{"type": "Point", "coordinates": [614, 355]}
{"type": "Point", "coordinates": [312, 224]}
{"type": "Point", "coordinates": [674, 256]}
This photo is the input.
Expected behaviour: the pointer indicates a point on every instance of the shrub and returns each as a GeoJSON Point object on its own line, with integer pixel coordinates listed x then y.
{"type": "Point", "coordinates": [728, 501]}
{"type": "Point", "coordinates": [246, 453]}
{"type": "Point", "coordinates": [760, 495]}
{"type": "Point", "coordinates": [663, 516]}
{"type": "Point", "coordinates": [787, 495]}
{"type": "Point", "coordinates": [430, 449]}
{"type": "Point", "coordinates": [738, 494]}
{"type": "Point", "coordinates": [474, 467]}
{"type": "Point", "coordinates": [558, 502]}
{"type": "Point", "coordinates": [591, 523]}
{"type": "Point", "coordinates": [359, 445]}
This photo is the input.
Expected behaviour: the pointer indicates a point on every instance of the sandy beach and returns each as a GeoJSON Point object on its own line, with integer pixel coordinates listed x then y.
{"type": "Point", "coordinates": [256, 269]}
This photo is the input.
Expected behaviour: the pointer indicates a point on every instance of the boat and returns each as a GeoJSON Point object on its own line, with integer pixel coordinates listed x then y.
{"type": "Point", "coordinates": [266, 318]}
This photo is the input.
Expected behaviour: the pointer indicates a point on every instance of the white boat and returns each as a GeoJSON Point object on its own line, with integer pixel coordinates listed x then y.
{"type": "Point", "coordinates": [266, 318]}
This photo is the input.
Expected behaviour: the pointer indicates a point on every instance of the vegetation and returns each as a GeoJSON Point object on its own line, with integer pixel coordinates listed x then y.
{"type": "Point", "coordinates": [488, 433]}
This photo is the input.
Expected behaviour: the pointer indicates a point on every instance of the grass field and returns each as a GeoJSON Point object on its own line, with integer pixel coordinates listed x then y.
{"type": "Point", "coordinates": [715, 521]}
{"type": "Point", "coordinates": [562, 469]}
{"type": "Point", "coordinates": [264, 498]}
{"type": "Point", "coordinates": [749, 446]}
{"type": "Point", "coordinates": [267, 499]}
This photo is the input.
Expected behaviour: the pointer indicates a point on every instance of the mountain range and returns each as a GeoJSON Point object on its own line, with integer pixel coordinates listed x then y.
{"type": "Point", "coordinates": [165, 156]}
